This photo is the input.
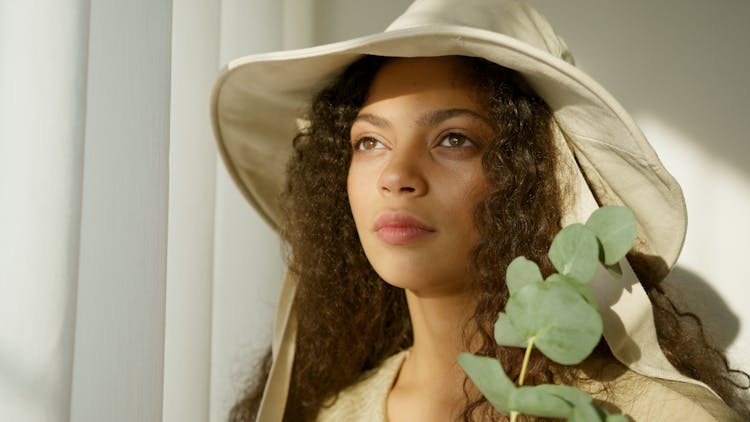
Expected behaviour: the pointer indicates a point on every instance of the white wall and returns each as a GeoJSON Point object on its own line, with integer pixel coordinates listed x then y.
{"type": "Point", "coordinates": [42, 112]}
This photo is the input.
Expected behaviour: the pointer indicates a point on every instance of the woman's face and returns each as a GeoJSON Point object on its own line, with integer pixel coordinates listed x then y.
{"type": "Point", "coordinates": [416, 174]}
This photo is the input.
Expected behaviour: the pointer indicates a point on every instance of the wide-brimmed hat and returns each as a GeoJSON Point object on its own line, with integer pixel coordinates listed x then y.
{"type": "Point", "coordinates": [258, 101]}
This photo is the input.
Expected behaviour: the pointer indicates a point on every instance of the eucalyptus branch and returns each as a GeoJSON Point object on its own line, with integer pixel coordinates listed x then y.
{"type": "Point", "coordinates": [557, 315]}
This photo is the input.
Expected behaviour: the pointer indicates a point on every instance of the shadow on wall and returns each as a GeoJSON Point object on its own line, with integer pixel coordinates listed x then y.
{"type": "Point", "coordinates": [683, 63]}
{"type": "Point", "coordinates": [692, 293]}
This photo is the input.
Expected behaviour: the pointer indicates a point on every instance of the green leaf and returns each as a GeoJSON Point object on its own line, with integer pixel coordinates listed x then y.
{"type": "Point", "coordinates": [575, 252]}
{"type": "Point", "coordinates": [506, 334]}
{"type": "Point", "coordinates": [535, 401]}
{"type": "Point", "coordinates": [566, 327]}
{"type": "Point", "coordinates": [521, 272]}
{"type": "Point", "coordinates": [585, 413]}
{"type": "Point", "coordinates": [570, 394]}
{"type": "Point", "coordinates": [615, 228]}
{"type": "Point", "coordinates": [582, 289]}
{"type": "Point", "coordinates": [547, 400]}
{"type": "Point", "coordinates": [490, 379]}
{"type": "Point", "coordinates": [559, 401]}
{"type": "Point", "coordinates": [582, 409]}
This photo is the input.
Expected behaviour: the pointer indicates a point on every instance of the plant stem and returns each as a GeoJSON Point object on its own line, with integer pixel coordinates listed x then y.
{"type": "Point", "coordinates": [524, 365]}
{"type": "Point", "coordinates": [525, 361]}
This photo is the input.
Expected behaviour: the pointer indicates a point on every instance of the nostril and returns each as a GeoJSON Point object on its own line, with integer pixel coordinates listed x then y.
{"type": "Point", "coordinates": [407, 189]}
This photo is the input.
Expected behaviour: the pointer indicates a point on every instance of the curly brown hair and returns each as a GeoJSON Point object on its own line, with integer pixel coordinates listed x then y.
{"type": "Point", "coordinates": [350, 320]}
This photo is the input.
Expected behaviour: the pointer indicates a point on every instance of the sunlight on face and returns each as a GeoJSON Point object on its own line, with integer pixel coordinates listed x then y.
{"type": "Point", "coordinates": [416, 174]}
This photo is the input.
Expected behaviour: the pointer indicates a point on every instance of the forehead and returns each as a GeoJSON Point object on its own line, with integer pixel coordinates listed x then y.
{"type": "Point", "coordinates": [447, 76]}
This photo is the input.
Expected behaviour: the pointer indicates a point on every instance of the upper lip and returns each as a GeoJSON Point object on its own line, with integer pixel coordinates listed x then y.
{"type": "Point", "coordinates": [400, 219]}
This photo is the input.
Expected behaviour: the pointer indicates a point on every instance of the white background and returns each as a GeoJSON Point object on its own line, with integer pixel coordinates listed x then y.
{"type": "Point", "coordinates": [136, 283]}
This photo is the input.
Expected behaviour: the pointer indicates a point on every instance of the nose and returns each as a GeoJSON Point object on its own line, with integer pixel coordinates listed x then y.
{"type": "Point", "coordinates": [403, 174]}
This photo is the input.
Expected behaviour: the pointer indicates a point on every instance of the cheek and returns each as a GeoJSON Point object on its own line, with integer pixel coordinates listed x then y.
{"type": "Point", "coordinates": [477, 191]}
{"type": "Point", "coordinates": [469, 188]}
{"type": "Point", "coordinates": [474, 190]}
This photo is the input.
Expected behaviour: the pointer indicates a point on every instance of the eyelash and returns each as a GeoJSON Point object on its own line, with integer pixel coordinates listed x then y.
{"type": "Point", "coordinates": [358, 144]}
{"type": "Point", "coordinates": [465, 142]}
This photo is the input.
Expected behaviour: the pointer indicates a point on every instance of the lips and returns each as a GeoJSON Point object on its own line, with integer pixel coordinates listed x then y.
{"type": "Point", "coordinates": [397, 228]}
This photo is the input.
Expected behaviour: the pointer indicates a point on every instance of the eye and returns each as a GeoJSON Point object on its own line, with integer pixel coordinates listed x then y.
{"type": "Point", "coordinates": [456, 140]}
{"type": "Point", "coordinates": [367, 143]}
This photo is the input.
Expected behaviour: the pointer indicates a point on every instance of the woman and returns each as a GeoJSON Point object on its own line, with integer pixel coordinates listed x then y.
{"type": "Point", "coordinates": [413, 184]}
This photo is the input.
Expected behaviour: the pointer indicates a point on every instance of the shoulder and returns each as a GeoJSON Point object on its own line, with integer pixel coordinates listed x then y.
{"type": "Point", "coordinates": [645, 399]}
{"type": "Point", "coordinates": [366, 399]}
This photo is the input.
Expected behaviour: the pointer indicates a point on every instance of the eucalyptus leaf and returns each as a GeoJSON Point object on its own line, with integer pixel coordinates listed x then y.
{"type": "Point", "coordinates": [566, 327]}
{"type": "Point", "coordinates": [506, 334]}
{"type": "Point", "coordinates": [521, 272]}
{"type": "Point", "coordinates": [616, 418]}
{"type": "Point", "coordinates": [585, 413]}
{"type": "Point", "coordinates": [583, 408]}
{"type": "Point", "coordinates": [490, 379]}
{"type": "Point", "coordinates": [570, 394]}
{"type": "Point", "coordinates": [537, 402]}
{"type": "Point", "coordinates": [615, 228]}
{"type": "Point", "coordinates": [575, 252]}
{"type": "Point", "coordinates": [582, 289]}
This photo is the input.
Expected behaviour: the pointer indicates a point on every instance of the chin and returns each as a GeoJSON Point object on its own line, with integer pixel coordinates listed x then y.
{"type": "Point", "coordinates": [421, 269]}
{"type": "Point", "coordinates": [406, 283]}
{"type": "Point", "coordinates": [425, 283]}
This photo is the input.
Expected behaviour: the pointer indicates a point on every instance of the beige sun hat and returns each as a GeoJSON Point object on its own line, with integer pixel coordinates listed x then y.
{"type": "Point", "coordinates": [258, 100]}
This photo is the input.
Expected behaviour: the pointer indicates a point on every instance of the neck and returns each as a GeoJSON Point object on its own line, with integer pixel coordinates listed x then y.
{"type": "Point", "coordinates": [438, 324]}
{"type": "Point", "coordinates": [430, 383]}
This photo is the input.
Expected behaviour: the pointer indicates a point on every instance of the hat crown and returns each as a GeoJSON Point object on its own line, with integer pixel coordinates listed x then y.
{"type": "Point", "coordinates": [514, 18]}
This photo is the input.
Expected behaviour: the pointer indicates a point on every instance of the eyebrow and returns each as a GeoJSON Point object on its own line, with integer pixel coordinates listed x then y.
{"type": "Point", "coordinates": [373, 119]}
{"type": "Point", "coordinates": [428, 119]}
{"type": "Point", "coordinates": [438, 116]}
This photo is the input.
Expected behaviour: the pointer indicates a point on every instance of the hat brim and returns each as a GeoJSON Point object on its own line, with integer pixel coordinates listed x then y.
{"type": "Point", "coordinates": [257, 100]}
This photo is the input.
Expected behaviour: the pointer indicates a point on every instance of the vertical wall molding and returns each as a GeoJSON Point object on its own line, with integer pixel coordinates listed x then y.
{"type": "Point", "coordinates": [192, 183]}
{"type": "Point", "coordinates": [119, 340]}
